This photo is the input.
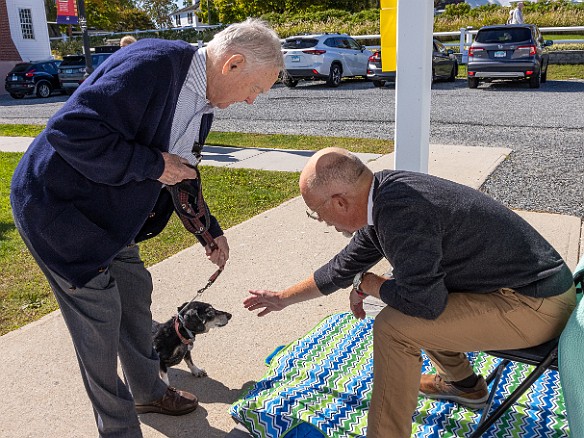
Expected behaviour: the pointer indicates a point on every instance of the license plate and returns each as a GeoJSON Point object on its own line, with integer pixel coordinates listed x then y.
{"type": "Point", "coordinates": [14, 78]}
{"type": "Point", "coordinates": [68, 70]}
{"type": "Point", "coordinates": [295, 58]}
{"type": "Point", "coordinates": [500, 54]}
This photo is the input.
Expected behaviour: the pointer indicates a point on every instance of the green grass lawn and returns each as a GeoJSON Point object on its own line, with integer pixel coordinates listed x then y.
{"type": "Point", "coordinates": [233, 195]}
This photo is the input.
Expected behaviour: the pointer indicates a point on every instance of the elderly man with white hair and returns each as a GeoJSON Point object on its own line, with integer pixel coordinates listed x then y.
{"type": "Point", "coordinates": [92, 185]}
{"type": "Point", "coordinates": [516, 15]}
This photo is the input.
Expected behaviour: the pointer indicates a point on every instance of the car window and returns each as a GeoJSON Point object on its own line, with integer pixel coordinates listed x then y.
{"type": "Point", "coordinates": [507, 35]}
{"type": "Point", "coordinates": [21, 68]}
{"type": "Point", "coordinates": [299, 43]}
{"type": "Point", "coordinates": [50, 67]}
{"type": "Point", "coordinates": [344, 43]}
{"type": "Point", "coordinates": [40, 67]}
{"type": "Point", "coordinates": [73, 60]}
{"type": "Point", "coordinates": [439, 47]}
{"type": "Point", "coordinates": [353, 44]}
{"type": "Point", "coordinates": [330, 42]}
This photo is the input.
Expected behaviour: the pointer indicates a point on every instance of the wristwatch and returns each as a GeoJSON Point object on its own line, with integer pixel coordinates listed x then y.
{"type": "Point", "coordinates": [357, 284]}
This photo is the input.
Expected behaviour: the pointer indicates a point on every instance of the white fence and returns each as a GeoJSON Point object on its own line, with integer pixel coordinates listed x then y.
{"type": "Point", "coordinates": [466, 35]}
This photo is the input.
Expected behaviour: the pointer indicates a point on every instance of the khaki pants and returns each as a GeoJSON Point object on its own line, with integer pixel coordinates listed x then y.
{"type": "Point", "coordinates": [471, 322]}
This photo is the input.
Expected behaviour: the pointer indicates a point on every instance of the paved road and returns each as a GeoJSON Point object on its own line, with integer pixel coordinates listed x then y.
{"type": "Point", "coordinates": [544, 127]}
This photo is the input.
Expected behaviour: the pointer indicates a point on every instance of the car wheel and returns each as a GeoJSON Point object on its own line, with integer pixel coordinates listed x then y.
{"type": "Point", "coordinates": [453, 73]}
{"type": "Point", "coordinates": [289, 82]}
{"type": "Point", "coordinates": [473, 82]}
{"type": "Point", "coordinates": [334, 78]}
{"type": "Point", "coordinates": [43, 89]}
{"type": "Point", "coordinates": [17, 95]}
{"type": "Point", "coordinates": [544, 75]}
{"type": "Point", "coordinates": [535, 80]}
{"type": "Point", "coordinates": [378, 83]}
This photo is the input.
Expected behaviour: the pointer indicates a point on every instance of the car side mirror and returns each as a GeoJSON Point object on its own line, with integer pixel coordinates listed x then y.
{"type": "Point", "coordinates": [547, 43]}
{"type": "Point", "coordinates": [450, 52]}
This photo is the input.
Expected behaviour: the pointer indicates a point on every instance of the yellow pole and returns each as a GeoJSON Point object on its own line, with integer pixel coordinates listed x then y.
{"type": "Point", "coordinates": [388, 31]}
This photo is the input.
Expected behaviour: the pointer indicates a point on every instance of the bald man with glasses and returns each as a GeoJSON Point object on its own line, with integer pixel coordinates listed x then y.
{"type": "Point", "coordinates": [468, 275]}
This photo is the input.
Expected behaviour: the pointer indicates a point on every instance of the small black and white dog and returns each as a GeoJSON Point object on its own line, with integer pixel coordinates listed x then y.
{"type": "Point", "coordinates": [173, 340]}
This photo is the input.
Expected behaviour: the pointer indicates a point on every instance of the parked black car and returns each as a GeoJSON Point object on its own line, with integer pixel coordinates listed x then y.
{"type": "Point", "coordinates": [444, 66]}
{"type": "Point", "coordinates": [39, 77]}
{"type": "Point", "coordinates": [73, 71]}
{"type": "Point", "coordinates": [512, 51]}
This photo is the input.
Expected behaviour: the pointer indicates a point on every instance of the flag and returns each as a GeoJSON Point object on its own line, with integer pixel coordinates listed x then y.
{"type": "Point", "coordinates": [67, 12]}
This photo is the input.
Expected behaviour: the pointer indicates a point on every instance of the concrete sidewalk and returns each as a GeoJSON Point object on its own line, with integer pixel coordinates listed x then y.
{"type": "Point", "coordinates": [41, 391]}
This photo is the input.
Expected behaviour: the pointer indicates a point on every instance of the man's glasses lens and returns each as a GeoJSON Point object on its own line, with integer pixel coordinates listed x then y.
{"type": "Point", "coordinates": [312, 214]}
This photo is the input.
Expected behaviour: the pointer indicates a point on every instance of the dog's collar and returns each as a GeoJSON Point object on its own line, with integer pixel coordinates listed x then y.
{"type": "Point", "coordinates": [180, 336]}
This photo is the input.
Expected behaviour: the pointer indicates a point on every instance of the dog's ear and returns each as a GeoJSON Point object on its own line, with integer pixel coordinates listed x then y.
{"type": "Point", "coordinates": [181, 307]}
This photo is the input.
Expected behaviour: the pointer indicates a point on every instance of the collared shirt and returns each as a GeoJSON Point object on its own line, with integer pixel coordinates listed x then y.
{"type": "Point", "coordinates": [192, 104]}
{"type": "Point", "coordinates": [370, 204]}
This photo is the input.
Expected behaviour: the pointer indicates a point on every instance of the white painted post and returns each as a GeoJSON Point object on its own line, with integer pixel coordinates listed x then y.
{"type": "Point", "coordinates": [463, 50]}
{"type": "Point", "coordinates": [415, 22]}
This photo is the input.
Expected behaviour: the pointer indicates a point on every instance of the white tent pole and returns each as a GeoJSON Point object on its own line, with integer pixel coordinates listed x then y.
{"type": "Point", "coordinates": [415, 22]}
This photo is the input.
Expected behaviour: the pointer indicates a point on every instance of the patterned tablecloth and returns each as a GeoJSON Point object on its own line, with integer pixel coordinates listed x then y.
{"type": "Point", "coordinates": [321, 385]}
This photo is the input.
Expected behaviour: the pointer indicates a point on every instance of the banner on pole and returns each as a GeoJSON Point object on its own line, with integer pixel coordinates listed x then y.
{"type": "Point", "coordinates": [388, 24]}
{"type": "Point", "coordinates": [67, 12]}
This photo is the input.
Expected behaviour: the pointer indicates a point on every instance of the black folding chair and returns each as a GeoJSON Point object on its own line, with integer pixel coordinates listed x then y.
{"type": "Point", "coordinates": [543, 357]}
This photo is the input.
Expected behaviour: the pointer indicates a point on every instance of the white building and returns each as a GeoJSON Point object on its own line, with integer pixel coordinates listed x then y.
{"type": "Point", "coordinates": [186, 17]}
{"type": "Point", "coordinates": [23, 34]}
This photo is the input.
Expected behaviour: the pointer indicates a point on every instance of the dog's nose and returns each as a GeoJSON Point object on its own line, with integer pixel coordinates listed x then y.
{"type": "Point", "coordinates": [228, 316]}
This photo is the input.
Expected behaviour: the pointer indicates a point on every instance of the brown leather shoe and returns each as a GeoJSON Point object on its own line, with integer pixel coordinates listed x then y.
{"type": "Point", "coordinates": [433, 386]}
{"type": "Point", "coordinates": [173, 402]}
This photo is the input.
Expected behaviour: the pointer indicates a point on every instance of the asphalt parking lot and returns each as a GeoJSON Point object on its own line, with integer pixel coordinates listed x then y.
{"type": "Point", "coordinates": [544, 127]}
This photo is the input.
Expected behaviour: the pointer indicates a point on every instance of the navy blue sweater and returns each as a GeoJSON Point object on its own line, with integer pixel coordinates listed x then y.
{"type": "Point", "coordinates": [442, 237]}
{"type": "Point", "coordinates": [88, 182]}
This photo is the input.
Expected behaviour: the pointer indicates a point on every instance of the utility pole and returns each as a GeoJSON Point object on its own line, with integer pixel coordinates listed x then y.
{"type": "Point", "coordinates": [86, 48]}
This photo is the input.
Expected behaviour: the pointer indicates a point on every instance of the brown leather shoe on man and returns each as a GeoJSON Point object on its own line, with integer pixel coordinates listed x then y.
{"type": "Point", "coordinates": [173, 402]}
{"type": "Point", "coordinates": [433, 386]}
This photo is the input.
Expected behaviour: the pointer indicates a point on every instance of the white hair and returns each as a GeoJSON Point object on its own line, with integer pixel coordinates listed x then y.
{"type": "Point", "coordinates": [252, 38]}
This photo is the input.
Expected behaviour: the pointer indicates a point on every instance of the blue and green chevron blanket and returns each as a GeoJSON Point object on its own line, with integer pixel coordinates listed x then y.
{"type": "Point", "coordinates": [320, 385]}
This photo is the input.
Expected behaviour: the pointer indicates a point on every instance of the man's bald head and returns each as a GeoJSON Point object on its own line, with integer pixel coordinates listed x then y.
{"type": "Point", "coordinates": [331, 170]}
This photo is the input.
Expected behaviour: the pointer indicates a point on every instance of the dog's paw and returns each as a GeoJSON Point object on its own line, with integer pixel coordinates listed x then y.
{"type": "Point", "coordinates": [199, 372]}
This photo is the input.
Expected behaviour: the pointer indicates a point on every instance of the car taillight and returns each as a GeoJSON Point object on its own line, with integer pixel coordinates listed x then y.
{"type": "Point", "coordinates": [29, 74]}
{"type": "Point", "coordinates": [314, 52]}
{"type": "Point", "coordinates": [528, 72]}
{"type": "Point", "coordinates": [531, 49]}
{"type": "Point", "coordinates": [376, 57]}
{"type": "Point", "coordinates": [473, 50]}
{"type": "Point", "coordinates": [471, 73]}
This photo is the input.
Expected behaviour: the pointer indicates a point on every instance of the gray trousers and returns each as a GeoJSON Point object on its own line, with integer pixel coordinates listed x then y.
{"type": "Point", "coordinates": [109, 318]}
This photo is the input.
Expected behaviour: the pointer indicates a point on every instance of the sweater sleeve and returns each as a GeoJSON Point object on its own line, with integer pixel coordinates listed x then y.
{"type": "Point", "coordinates": [411, 237]}
{"type": "Point", "coordinates": [359, 255]}
{"type": "Point", "coordinates": [97, 131]}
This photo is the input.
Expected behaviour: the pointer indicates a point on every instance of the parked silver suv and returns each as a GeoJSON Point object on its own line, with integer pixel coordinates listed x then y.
{"type": "Point", "coordinates": [323, 57]}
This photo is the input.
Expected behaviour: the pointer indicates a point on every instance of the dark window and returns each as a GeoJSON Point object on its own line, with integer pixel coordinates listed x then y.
{"type": "Point", "coordinates": [73, 60]}
{"type": "Point", "coordinates": [507, 35]}
{"type": "Point", "coordinates": [21, 68]}
{"type": "Point", "coordinates": [353, 44]}
{"type": "Point", "coordinates": [299, 43]}
{"type": "Point", "coordinates": [26, 24]}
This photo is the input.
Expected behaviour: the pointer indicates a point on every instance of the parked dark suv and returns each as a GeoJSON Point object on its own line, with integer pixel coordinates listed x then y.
{"type": "Point", "coordinates": [512, 51]}
{"type": "Point", "coordinates": [72, 71]}
{"type": "Point", "coordinates": [40, 77]}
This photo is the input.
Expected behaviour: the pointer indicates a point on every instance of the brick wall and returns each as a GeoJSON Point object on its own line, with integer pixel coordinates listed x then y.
{"type": "Point", "coordinates": [8, 50]}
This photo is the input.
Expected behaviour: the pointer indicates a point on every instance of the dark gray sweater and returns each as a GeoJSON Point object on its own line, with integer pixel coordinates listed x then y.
{"type": "Point", "coordinates": [442, 237]}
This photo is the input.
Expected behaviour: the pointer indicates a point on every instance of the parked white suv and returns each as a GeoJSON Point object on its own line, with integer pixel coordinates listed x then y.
{"type": "Point", "coordinates": [323, 57]}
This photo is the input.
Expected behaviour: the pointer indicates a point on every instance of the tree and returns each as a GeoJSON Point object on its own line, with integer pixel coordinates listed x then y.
{"type": "Point", "coordinates": [159, 11]}
{"type": "Point", "coordinates": [134, 18]}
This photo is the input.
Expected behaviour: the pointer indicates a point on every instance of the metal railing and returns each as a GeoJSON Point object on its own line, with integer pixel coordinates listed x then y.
{"type": "Point", "coordinates": [466, 35]}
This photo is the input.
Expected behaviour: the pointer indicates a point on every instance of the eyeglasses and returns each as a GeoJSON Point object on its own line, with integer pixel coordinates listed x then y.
{"type": "Point", "coordinates": [312, 214]}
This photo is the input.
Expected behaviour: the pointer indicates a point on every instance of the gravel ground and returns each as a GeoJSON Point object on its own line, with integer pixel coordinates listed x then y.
{"type": "Point", "coordinates": [545, 128]}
